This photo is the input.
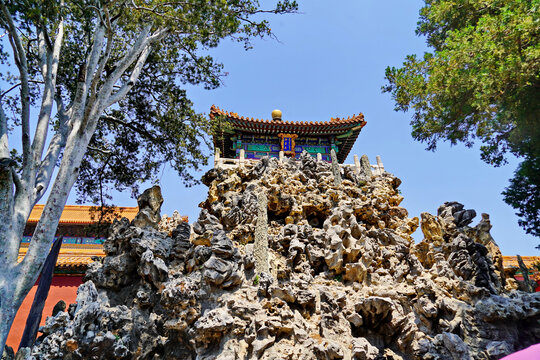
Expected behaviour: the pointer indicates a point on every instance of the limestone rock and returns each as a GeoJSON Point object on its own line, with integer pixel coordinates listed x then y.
{"type": "Point", "coordinates": [149, 208]}
{"type": "Point", "coordinates": [365, 168]}
{"type": "Point", "coordinates": [343, 278]}
{"type": "Point", "coordinates": [363, 350]}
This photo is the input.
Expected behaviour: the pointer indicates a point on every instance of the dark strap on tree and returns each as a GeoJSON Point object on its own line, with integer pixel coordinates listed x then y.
{"type": "Point", "coordinates": [34, 317]}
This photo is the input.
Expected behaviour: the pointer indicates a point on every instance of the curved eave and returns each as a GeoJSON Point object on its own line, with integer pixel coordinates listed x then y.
{"type": "Point", "coordinates": [347, 144]}
{"type": "Point", "coordinates": [325, 129]}
{"type": "Point", "coordinates": [333, 127]}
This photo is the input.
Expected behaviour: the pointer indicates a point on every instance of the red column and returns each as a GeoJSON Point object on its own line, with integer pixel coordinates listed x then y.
{"type": "Point", "coordinates": [62, 288]}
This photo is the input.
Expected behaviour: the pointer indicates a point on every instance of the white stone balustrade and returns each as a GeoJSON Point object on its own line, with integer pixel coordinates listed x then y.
{"type": "Point", "coordinates": [226, 163]}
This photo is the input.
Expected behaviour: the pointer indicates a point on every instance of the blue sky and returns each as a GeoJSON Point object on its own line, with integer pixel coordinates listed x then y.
{"type": "Point", "coordinates": [329, 61]}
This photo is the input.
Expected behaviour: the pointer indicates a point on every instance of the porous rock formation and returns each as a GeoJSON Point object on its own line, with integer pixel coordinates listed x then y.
{"type": "Point", "coordinates": [345, 280]}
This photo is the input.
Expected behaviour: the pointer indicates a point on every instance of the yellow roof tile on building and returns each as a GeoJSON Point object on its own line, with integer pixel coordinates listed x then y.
{"type": "Point", "coordinates": [511, 261]}
{"type": "Point", "coordinates": [80, 214]}
{"type": "Point", "coordinates": [72, 256]}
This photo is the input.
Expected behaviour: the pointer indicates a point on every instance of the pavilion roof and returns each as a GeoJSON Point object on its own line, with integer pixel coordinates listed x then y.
{"type": "Point", "coordinates": [348, 128]}
{"type": "Point", "coordinates": [333, 127]}
{"type": "Point", "coordinates": [72, 257]}
{"type": "Point", "coordinates": [80, 214]}
{"type": "Point", "coordinates": [512, 261]}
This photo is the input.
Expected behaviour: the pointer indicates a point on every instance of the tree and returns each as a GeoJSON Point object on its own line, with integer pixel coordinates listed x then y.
{"type": "Point", "coordinates": [481, 82]}
{"type": "Point", "coordinates": [103, 76]}
{"type": "Point", "coordinates": [524, 194]}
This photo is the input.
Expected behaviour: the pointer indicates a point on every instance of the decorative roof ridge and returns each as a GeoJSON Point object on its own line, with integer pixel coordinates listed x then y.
{"type": "Point", "coordinates": [79, 214]}
{"type": "Point", "coordinates": [214, 110]}
{"type": "Point", "coordinates": [87, 207]}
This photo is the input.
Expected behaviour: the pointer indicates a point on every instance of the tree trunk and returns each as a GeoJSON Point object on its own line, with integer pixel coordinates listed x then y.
{"type": "Point", "coordinates": [9, 303]}
{"type": "Point", "coordinates": [80, 121]}
{"type": "Point", "coordinates": [16, 279]}
{"type": "Point", "coordinates": [36, 311]}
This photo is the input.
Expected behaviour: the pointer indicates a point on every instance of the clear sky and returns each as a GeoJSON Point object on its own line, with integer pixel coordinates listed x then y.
{"type": "Point", "coordinates": [329, 62]}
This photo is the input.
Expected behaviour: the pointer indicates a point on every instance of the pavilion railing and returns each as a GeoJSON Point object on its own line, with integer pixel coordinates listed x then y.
{"type": "Point", "coordinates": [227, 163]}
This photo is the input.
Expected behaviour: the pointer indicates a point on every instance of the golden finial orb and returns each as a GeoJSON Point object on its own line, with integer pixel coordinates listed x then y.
{"type": "Point", "coordinates": [276, 115]}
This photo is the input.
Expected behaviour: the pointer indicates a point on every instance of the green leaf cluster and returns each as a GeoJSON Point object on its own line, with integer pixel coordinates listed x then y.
{"type": "Point", "coordinates": [480, 82]}
{"type": "Point", "coordinates": [154, 124]}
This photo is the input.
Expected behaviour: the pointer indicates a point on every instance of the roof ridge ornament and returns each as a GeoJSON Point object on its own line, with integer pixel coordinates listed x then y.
{"type": "Point", "coordinates": [276, 115]}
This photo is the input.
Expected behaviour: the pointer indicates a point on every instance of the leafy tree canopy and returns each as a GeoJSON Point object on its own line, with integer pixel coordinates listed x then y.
{"type": "Point", "coordinates": [115, 71]}
{"type": "Point", "coordinates": [480, 82]}
{"type": "Point", "coordinates": [153, 124]}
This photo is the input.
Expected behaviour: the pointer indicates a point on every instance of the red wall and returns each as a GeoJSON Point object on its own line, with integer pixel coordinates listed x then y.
{"type": "Point", "coordinates": [62, 288]}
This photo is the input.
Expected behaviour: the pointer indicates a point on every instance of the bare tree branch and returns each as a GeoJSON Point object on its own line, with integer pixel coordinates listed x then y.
{"type": "Point", "coordinates": [49, 68]}
{"type": "Point", "coordinates": [105, 57]}
{"type": "Point", "coordinates": [53, 152]}
{"type": "Point", "coordinates": [76, 109]}
{"type": "Point", "coordinates": [17, 85]}
{"type": "Point", "coordinates": [101, 151]}
{"type": "Point", "coordinates": [4, 146]}
{"type": "Point", "coordinates": [124, 89]}
{"type": "Point", "coordinates": [137, 129]}
{"type": "Point", "coordinates": [8, 90]}
{"type": "Point", "coordinates": [122, 65]}
{"type": "Point", "coordinates": [22, 64]}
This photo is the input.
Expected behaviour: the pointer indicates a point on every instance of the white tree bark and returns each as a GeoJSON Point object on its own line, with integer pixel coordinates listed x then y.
{"type": "Point", "coordinates": [77, 125]}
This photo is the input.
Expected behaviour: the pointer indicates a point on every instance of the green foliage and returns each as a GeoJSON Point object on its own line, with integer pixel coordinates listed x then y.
{"type": "Point", "coordinates": [523, 194]}
{"type": "Point", "coordinates": [155, 124]}
{"type": "Point", "coordinates": [256, 280]}
{"type": "Point", "coordinates": [338, 278]}
{"type": "Point", "coordinates": [480, 83]}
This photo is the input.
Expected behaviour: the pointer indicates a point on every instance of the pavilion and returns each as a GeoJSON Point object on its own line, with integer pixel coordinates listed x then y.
{"type": "Point", "coordinates": [257, 138]}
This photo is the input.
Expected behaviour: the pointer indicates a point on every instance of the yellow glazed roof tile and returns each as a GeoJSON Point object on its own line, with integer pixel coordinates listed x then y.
{"type": "Point", "coordinates": [511, 261]}
{"type": "Point", "coordinates": [72, 256]}
{"type": "Point", "coordinates": [79, 214]}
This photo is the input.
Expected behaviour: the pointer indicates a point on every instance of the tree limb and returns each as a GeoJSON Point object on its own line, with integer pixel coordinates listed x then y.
{"type": "Point", "coordinates": [53, 153]}
{"type": "Point", "coordinates": [121, 65]}
{"type": "Point", "coordinates": [101, 151]}
{"type": "Point", "coordinates": [75, 110]}
{"type": "Point", "coordinates": [105, 57]}
{"type": "Point", "coordinates": [8, 90]}
{"type": "Point", "coordinates": [4, 146]}
{"type": "Point", "coordinates": [17, 85]}
{"type": "Point", "coordinates": [49, 70]}
{"type": "Point", "coordinates": [145, 51]}
{"type": "Point", "coordinates": [128, 85]}
{"type": "Point", "coordinates": [22, 64]}
{"type": "Point", "coordinates": [137, 129]}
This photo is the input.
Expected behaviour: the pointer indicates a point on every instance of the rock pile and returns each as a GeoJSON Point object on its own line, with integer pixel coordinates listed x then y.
{"type": "Point", "coordinates": [345, 279]}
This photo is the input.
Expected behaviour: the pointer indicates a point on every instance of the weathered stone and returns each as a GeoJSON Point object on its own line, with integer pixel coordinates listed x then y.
{"type": "Point", "coordinates": [23, 353]}
{"type": "Point", "coordinates": [528, 283]}
{"type": "Point", "coordinates": [180, 240]}
{"type": "Point", "coordinates": [149, 208]}
{"type": "Point", "coordinates": [261, 237]}
{"type": "Point", "coordinates": [222, 246]}
{"type": "Point", "coordinates": [342, 279]}
{"type": "Point", "coordinates": [217, 270]}
{"type": "Point", "coordinates": [8, 353]}
{"type": "Point", "coordinates": [211, 326]}
{"type": "Point", "coordinates": [363, 350]}
{"type": "Point", "coordinates": [335, 168]}
{"type": "Point", "coordinates": [59, 307]}
{"type": "Point", "coordinates": [152, 268]}
{"type": "Point", "coordinates": [454, 212]}
{"type": "Point", "coordinates": [365, 168]}
{"type": "Point", "coordinates": [455, 346]}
